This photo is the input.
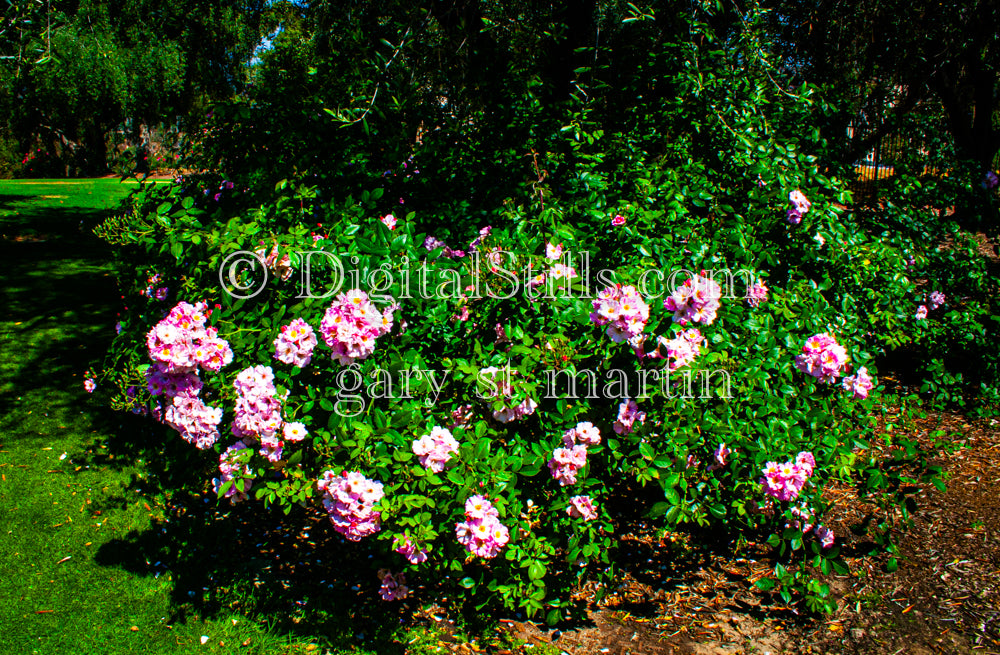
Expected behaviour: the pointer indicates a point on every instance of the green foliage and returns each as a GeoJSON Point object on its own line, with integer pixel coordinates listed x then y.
{"type": "Point", "coordinates": [679, 129]}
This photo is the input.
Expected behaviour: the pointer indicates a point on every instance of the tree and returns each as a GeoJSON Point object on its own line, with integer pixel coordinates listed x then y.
{"type": "Point", "coordinates": [888, 54]}
{"type": "Point", "coordinates": [73, 71]}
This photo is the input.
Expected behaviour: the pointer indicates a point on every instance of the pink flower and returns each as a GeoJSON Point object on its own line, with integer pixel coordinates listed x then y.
{"type": "Point", "coordinates": [798, 199]}
{"type": "Point", "coordinates": [618, 220]}
{"type": "Point", "coordinates": [182, 342]}
{"type": "Point", "coordinates": [481, 533]}
{"type": "Point", "coordinates": [582, 507]}
{"type": "Point", "coordinates": [294, 432]}
{"type": "Point", "coordinates": [757, 294]}
{"type": "Point", "coordinates": [793, 216]}
{"type": "Point", "coordinates": [721, 453]}
{"type": "Point", "coordinates": [196, 422]}
{"type": "Point", "coordinates": [785, 481]}
{"type": "Point", "coordinates": [584, 433]}
{"type": "Point", "coordinates": [389, 221]}
{"type": "Point", "coordinates": [295, 343]}
{"type": "Point", "coordinates": [258, 409]}
{"type": "Point", "coordinates": [822, 357]}
{"type": "Point", "coordinates": [628, 414]}
{"type": "Point", "coordinates": [393, 586]}
{"type": "Point", "coordinates": [825, 536]}
{"type": "Point", "coordinates": [351, 325]}
{"type": "Point", "coordinates": [405, 547]}
{"type": "Point", "coordinates": [553, 251]}
{"type": "Point", "coordinates": [921, 313]}
{"type": "Point", "coordinates": [859, 384]}
{"type": "Point", "coordinates": [566, 462]}
{"type": "Point", "coordinates": [623, 310]}
{"type": "Point", "coordinates": [461, 415]}
{"type": "Point", "coordinates": [936, 300]}
{"type": "Point", "coordinates": [508, 413]}
{"type": "Point", "coordinates": [697, 300]}
{"type": "Point", "coordinates": [350, 502]}
{"type": "Point", "coordinates": [435, 449]}
{"type": "Point", "coordinates": [233, 466]}
{"type": "Point", "coordinates": [89, 385]}
{"type": "Point", "coordinates": [682, 349]}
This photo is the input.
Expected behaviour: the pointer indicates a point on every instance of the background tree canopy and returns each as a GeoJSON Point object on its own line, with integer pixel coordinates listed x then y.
{"type": "Point", "coordinates": [71, 72]}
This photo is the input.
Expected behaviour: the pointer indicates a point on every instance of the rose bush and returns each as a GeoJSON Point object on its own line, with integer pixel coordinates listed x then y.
{"type": "Point", "coordinates": [595, 316]}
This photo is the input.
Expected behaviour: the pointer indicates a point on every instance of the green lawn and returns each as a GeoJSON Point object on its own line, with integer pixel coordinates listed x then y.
{"type": "Point", "coordinates": [72, 504]}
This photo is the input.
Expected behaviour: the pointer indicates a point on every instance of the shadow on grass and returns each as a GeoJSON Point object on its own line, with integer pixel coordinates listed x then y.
{"type": "Point", "coordinates": [59, 311]}
{"type": "Point", "coordinates": [292, 572]}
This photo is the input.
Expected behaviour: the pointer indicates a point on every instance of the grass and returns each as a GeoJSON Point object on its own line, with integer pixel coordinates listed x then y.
{"type": "Point", "coordinates": [68, 507]}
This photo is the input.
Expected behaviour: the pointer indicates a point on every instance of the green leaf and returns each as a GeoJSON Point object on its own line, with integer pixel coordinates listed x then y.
{"type": "Point", "coordinates": [765, 584]}
{"type": "Point", "coordinates": [646, 450]}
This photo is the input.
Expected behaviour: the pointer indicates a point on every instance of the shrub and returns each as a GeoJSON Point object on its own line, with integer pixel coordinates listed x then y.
{"type": "Point", "coordinates": [405, 341]}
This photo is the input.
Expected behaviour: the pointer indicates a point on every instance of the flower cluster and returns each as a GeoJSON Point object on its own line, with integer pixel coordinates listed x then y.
{"type": "Point", "coordinates": [258, 410]}
{"type": "Point", "coordinates": [785, 481]}
{"type": "Point", "coordinates": [935, 300]}
{"type": "Point", "coordinates": [584, 433]}
{"type": "Point", "coordinates": [803, 521]}
{"type": "Point", "coordinates": [433, 243]}
{"type": "Point", "coordinates": [800, 206]}
{"type": "Point", "coordinates": [461, 415]}
{"type": "Point", "coordinates": [435, 449]}
{"type": "Point", "coordinates": [295, 343]}
{"type": "Point", "coordinates": [623, 310]}
{"type": "Point", "coordinates": [350, 499]}
{"type": "Point", "coordinates": [482, 533]}
{"type": "Point", "coordinates": [393, 586]}
{"type": "Point", "coordinates": [178, 345]}
{"type": "Point", "coordinates": [859, 384]}
{"type": "Point", "coordinates": [196, 422]}
{"type": "Point", "coordinates": [405, 547]}
{"type": "Point", "coordinates": [757, 294]}
{"type": "Point", "coordinates": [160, 382]}
{"type": "Point", "coordinates": [566, 462]}
{"type": "Point", "coordinates": [696, 301]}
{"type": "Point", "coordinates": [233, 467]}
{"type": "Point", "coordinates": [582, 507]}
{"type": "Point", "coordinates": [182, 342]}
{"type": "Point", "coordinates": [351, 325]}
{"type": "Point", "coordinates": [628, 414]}
{"type": "Point", "coordinates": [503, 388]}
{"type": "Point", "coordinates": [682, 349]}
{"type": "Point", "coordinates": [557, 272]}
{"type": "Point", "coordinates": [822, 357]}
